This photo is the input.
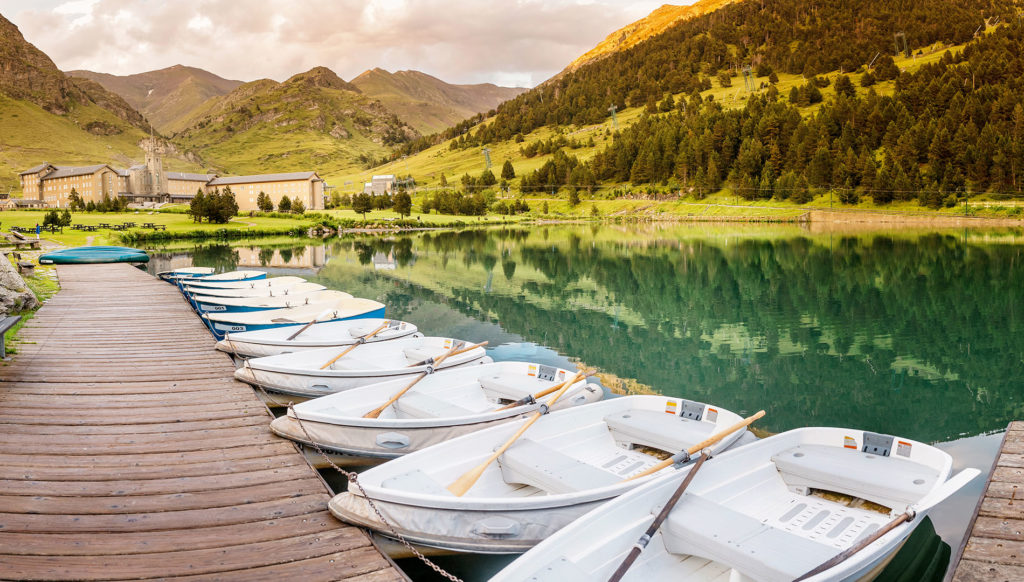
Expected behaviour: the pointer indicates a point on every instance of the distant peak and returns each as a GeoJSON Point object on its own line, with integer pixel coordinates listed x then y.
{"type": "Point", "coordinates": [322, 77]}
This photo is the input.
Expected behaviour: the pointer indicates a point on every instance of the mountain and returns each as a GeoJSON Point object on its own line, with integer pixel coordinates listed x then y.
{"type": "Point", "coordinates": [314, 120]}
{"type": "Point", "coordinates": [651, 25]}
{"type": "Point", "coordinates": [47, 116]}
{"type": "Point", "coordinates": [428, 103]}
{"type": "Point", "coordinates": [167, 96]}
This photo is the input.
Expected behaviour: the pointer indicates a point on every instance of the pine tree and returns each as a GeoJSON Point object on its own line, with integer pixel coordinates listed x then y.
{"type": "Point", "coordinates": [284, 205]}
{"type": "Point", "coordinates": [298, 207]}
{"type": "Point", "coordinates": [197, 206]}
{"type": "Point", "coordinates": [402, 203]}
{"type": "Point", "coordinates": [507, 171]}
{"type": "Point", "coordinates": [362, 203]}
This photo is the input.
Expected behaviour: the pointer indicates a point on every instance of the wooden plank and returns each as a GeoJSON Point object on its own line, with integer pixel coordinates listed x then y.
{"type": "Point", "coordinates": [972, 571]}
{"type": "Point", "coordinates": [128, 451]}
{"type": "Point", "coordinates": [996, 551]}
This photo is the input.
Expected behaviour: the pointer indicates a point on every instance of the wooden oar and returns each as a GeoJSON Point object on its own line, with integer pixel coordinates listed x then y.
{"type": "Point", "coordinates": [460, 486]}
{"type": "Point", "coordinates": [532, 397]}
{"type": "Point", "coordinates": [448, 355]}
{"type": "Point", "coordinates": [323, 315]}
{"type": "Point", "coordinates": [376, 411]}
{"type": "Point", "coordinates": [684, 456]}
{"type": "Point", "coordinates": [639, 546]}
{"type": "Point", "coordinates": [362, 340]}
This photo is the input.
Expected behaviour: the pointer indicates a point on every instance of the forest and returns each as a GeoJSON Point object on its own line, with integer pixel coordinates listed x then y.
{"type": "Point", "coordinates": [943, 132]}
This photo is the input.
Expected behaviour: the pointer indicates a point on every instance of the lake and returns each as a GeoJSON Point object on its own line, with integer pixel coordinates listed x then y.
{"type": "Point", "coordinates": [907, 332]}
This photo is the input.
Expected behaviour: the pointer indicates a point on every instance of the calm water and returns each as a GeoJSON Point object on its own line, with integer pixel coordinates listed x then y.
{"type": "Point", "coordinates": [910, 333]}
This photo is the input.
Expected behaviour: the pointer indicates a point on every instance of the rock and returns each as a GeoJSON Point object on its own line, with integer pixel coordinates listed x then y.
{"type": "Point", "coordinates": [14, 294]}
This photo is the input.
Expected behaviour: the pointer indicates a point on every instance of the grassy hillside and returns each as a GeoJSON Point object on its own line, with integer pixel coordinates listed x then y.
{"type": "Point", "coordinates": [166, 97]}
{"type": "Point", "coordinates": [32, 135]}
{"type": "Point", "coordinates": [312, 121]}
{"type": "Point", "coordinates": [428, 103]}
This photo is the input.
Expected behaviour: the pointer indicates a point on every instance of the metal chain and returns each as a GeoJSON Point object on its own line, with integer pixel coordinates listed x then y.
{"type": "Point", "coordinates": [353, 478]}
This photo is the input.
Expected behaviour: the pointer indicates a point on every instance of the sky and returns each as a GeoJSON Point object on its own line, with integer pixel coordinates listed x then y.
{"type": "Point", "coordinates": [507, 42]}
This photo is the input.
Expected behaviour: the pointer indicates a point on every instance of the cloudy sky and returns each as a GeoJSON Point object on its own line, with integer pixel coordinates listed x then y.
{"type": "Point", "coordinates": [508, 42]}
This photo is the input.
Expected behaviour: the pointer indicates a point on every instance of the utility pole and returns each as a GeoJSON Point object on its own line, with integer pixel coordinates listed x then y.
{"type": "Point", "coordinates": [487, 157]}
{"type": "Point", "coordinates": [900, 36]}
{"type": "Point", "coordinates": [615, 119]}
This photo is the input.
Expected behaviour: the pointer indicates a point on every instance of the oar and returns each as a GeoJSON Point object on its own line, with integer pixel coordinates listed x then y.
{"type": "Point", "coordinates": [464, 483]}
{"type": "Point", "coordinates": [532, 397]}
{"type": "Point", "coordinates": [376, 411]}
{"type": "Point", "coordinates": [326, 313]}
{"type": "Point", "coordinates": [639, 546]}
{"type": "Point", "coordinates": [948, 488]}
{"type": "Point", "coordinates": [454, 353]}
{"type": "Point", "coordinates": [362, 340]}
{"type": "Point", "coordinates": [684, 456]}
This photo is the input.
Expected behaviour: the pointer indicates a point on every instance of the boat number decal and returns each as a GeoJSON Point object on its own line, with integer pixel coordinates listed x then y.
{"type": "Point", "coordinates": [849, 442]}
{"type": "Point", "coordinates": [671, 407]}
{"type": "Point", "coordinates": [903, 448]}
{"type": "Point", "coordinates": [205, 307]}
{"type": "Point", "coordinates": [711, 415]}
{"type": "Point", "coordinates": [222, 327]}
{"type": "Point", "coordinates": [533, 370]}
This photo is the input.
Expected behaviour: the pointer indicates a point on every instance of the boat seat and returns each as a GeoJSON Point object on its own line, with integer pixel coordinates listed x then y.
{"type": "Point", "coordinates": [513, 386]}
{"type": "Point", "coordinates": [701, 527]}
{"type": "Point", "coordinates": [660, 430]}
{"type": "Point", "coordinates": [422, 353]}
{"type": "Point", "coordinates": [416, 481]}
{"type": "Point", "coordinates": [890, 481]}
{"type": "Point", "coordinates": [420, 405]}
{"type": "Point", "coordinates": [550, 470]}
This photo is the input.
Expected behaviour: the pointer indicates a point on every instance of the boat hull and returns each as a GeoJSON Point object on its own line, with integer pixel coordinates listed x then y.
{"type": "Point", "coordinates": [320, 335]}
{"type": "Point", "coordinates": [219, 329]}
{"type": "Point", "coordinates": [299, 387]}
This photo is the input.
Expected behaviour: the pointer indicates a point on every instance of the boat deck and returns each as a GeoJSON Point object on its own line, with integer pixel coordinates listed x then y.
{"type": "Point", "coordinates": [995, 548]}
{"type": "Point", "coordinates": [127, 451]}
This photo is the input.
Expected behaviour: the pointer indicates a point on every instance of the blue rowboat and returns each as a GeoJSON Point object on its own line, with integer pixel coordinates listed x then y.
{"type": "Point", "coordinates": [209, 304]}
{"type": "Point", "coordinates": [352, 308]}
{"type": "Point", "coordinates": [230, 276]}
{"type": "Point", "coordinates": [97, 254]}
{"type": "Point", "coordinates": [185, 273]}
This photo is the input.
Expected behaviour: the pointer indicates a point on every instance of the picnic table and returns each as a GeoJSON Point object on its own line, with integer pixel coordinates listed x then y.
{"type": "Point", "coordinates": [104, 225]}
{"type": "Point", "coordinates": [89, 227]}
{"type": "Point", "coordinates": [148, 225]}
{"type": "Point", "coordinates": [128, 224]}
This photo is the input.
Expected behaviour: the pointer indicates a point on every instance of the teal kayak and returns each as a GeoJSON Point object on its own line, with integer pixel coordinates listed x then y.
{"type": "Point", "coordinates": [98, 254]}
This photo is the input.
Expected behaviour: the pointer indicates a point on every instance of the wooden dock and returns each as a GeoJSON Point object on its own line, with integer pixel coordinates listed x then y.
{"type": "Point", "coordinates": [994, 550]}
{"type": "Point", "coordinates": [128, 451]}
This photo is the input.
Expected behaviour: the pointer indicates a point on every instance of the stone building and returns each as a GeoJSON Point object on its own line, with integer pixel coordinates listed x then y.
{"type": "Point", "coordinates": [53, 184]}
{"type": "Point", "coordinates": [305, 186]}
{"type": "Point", "coordinates": [380, 185]}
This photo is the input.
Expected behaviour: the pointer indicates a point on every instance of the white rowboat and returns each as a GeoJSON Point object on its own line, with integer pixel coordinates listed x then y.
{"type": "Point", "coordinates": [300, 376]}
{"type": "Point", "coordinates": [193, 285]}
{"type": "Point", "coordinates": [353, 308]}
{"type": "Point", "coordinates": [270, 342]}
{"type": "Point", "coordinates": [754, 514]}
{"type": "Point", "coordinates": [261, 291]}
{"type": "Point", "coordinates": [185, 273]}
{"type": "Point", "coordinates": [207, 303]}
{"type": "Point", "coordinates": [566, 464]}
{"type": "Point", "coordinates": [437, 409]}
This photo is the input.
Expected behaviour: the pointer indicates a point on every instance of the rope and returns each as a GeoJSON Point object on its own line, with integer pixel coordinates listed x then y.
{"type": "Point", "coordinates": [353, 479]}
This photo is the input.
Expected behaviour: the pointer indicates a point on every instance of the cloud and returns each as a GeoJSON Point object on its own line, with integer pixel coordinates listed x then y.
{"type": "Point", "coordinates": [470, 41]}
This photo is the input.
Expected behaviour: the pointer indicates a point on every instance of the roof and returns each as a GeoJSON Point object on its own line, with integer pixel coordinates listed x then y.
{"type": "Point", "coordinates": [231, 180]}
{"type": "Point", "coordinates": [190, 177]}
{"type": "Point", "coordinates": [123, 173]}
{"type": "Point", "coordinates": [64, 172]}
{"type": "Point", "coordinates": [36, 169]}
{"type": "Point", "coordinates": [25, 202]}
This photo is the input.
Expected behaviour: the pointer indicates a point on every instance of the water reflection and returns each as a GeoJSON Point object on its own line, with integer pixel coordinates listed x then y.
{"type": "Point", "coordinates": [916, 334]}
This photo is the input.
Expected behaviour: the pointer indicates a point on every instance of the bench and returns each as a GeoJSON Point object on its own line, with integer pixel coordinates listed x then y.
{"type": "Point", "coordinates": [6, 324]}
{"type": "Point", "coordinates": [512, 387]}
{"type": "Point", "coordinates": [660, 430]}
{"type": "Point", "coordinates": [27, 243]}
{"type": "Point", "coordinates": [701, 527]}
{"type": "Point", "coordinates": [889, 481]}
{"type": "Point", "coordinates": [420, 405]}
{"type": "Point", "coordinates": [26, 267]}
{"type": "Point", "coordinates": [159, 227]}
{"type": "Point", "coordinates": [532, 463]}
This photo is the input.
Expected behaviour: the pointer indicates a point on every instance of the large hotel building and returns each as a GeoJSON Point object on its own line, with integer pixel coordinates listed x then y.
{"type": "Point", "coordinates": [50, 185]}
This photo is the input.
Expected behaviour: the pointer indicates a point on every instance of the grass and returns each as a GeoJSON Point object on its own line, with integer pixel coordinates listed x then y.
{"type": "Point", "coordinates": [43, 283]}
